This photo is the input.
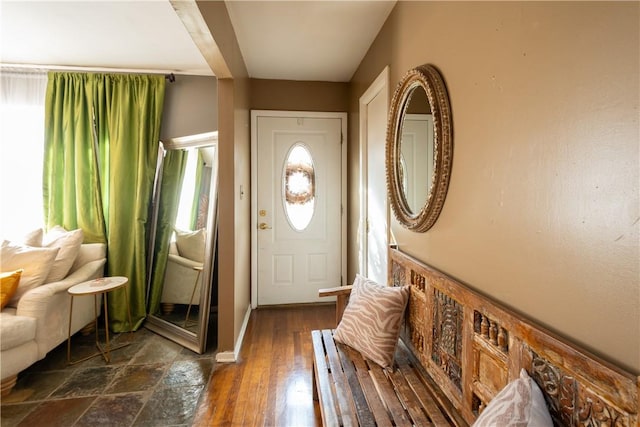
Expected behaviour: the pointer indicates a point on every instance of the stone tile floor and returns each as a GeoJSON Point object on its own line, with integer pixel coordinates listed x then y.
{"type": "Point", "coordinates": [152, 382]}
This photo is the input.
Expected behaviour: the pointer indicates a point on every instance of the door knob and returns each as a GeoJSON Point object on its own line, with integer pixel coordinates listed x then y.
{"type": "Point", "coordinates": [263, 226]}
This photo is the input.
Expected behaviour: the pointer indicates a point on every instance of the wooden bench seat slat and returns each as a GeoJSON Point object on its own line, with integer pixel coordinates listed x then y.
{"type": "Point", "coordinates": [424, 396]}
{"type": "Point", "coordinates": [390, 398]}
{"type": "Point", "coordinates": [365, 417]}
{"type": "Point", "coordinates": [408, 398]}
{"type": "Point", "coordinates": [346, 404]}
{"type": "Point", "coordinates": [368, 387]}
{"type": "Point", "coordinates": [323, 382]}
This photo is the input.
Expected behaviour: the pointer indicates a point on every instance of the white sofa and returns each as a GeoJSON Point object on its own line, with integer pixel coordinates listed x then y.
{"type": "Point", "coordinates": [40, 322]}
{"type": "Point", "coordinates": [180, 280]}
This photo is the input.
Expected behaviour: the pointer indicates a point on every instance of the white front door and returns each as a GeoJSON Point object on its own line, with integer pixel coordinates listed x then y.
{"type": "Point", "coordinates": [297, 218]}
{"type": "Point", "coordinates": [374, 240]}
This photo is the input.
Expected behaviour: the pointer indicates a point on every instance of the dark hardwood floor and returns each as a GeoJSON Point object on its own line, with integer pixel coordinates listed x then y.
{"type": "Point", "coordinates": [271, 383]}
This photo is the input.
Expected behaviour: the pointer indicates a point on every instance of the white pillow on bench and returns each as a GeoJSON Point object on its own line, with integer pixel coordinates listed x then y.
{"type": "Point", "coordinates": [520, 404]}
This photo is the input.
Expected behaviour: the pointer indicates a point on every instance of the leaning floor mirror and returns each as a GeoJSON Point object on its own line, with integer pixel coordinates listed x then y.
{"type": "Point", "coordinates": [183, 244]}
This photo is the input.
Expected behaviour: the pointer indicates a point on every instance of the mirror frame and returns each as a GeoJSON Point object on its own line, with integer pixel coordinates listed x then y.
{"type": "Point", "coordinates": [430, 79]}
{"type": "Point", "coordinates": [194, 342]}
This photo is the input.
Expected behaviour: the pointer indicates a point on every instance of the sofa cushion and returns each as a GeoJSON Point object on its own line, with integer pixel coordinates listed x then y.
{"type": "Point", "coordinates": [36, 262]}
{"type": "Point", "coordinates": [191, 244]}
{"type": "Point", "coordinates": [372, 319]}
{"type": "Point", "coordinates": [69, 243]}
{"type": "Point", "coordinates": [89, 252]}
{"type": "Point", "coordinates": [33, 238]}
{"type": "Point", "coordinates": [8, 285]}
{"type": "Point", "coordinates": [16, 330]}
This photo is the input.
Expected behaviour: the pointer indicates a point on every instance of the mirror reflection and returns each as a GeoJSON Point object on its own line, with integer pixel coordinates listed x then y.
{"type": "Point", "coordinates": [181, 276]}
{"type": "Point", "coordinates": [416, 150]}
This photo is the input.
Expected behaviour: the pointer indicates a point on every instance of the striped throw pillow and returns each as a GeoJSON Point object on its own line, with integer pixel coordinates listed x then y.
{"type": "Point", "coordinates": [519, 404]}
{"type": "Point", "coordinates": [372, 319]}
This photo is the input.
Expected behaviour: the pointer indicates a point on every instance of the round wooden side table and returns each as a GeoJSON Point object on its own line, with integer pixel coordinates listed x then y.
{"type": "Point", "coordinates": [97, 287]}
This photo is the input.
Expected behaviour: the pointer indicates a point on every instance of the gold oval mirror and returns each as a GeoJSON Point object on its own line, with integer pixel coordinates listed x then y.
{"type": "Point", "coordinates": [419, 148]}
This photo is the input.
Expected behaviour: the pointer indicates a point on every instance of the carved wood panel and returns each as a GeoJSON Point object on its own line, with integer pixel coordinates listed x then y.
{"type": "Point", "coordinates": [491, 331]}
{"type": "Point", "coordinates": [397, 274]}
{"type": "Point", "coordinates": [447, 336]}
{"type": "Point", "coordinates": [490, 359]}
{"type": "Point", "coordinates": [571, 403]}
{"type": "Point", "coordinates": [416, 324]}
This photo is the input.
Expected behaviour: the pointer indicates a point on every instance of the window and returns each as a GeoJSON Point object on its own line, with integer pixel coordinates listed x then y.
{"type": "Point", "coordinates": [299, 187]}
{"type": "Point", "coordinates": [22, 96]}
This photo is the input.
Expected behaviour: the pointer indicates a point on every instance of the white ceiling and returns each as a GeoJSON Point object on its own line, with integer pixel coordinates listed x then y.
{"type": "Point", "coordinates": [306, 40]}
{"type": "Point", "coordinates": [295, 40]}
{"type": "Point", "coordinates": [121, 35]}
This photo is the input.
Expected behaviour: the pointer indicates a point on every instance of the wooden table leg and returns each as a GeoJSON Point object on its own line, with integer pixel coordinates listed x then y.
{"type": "Point", "coordinates": [69, 334]}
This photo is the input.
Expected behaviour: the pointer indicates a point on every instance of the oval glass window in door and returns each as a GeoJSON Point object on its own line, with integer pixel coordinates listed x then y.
{"type": "Point", "coordinates": [298, 186]}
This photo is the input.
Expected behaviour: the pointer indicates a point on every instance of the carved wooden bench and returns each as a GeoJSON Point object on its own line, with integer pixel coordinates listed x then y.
{"type": "Point", "coordinates": [458, 349]}
{"type": "Point", "coordinates": [352, 390]}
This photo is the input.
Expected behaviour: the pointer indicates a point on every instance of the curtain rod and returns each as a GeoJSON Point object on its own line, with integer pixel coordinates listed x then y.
{"type": "Point", "coordinates": [169, 75]}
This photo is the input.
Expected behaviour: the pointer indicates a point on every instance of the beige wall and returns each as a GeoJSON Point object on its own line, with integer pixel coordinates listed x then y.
{"type": "Point", "coordinates": [543, 206]}
{"type": "Point", "coordinates": [191, 107]}
{"type": "Point", "coordinates": [289, 95]}
{"type": "Point", "coordinates": [234, 172]}
{"type": "Point", "coordinates": [242, 165]}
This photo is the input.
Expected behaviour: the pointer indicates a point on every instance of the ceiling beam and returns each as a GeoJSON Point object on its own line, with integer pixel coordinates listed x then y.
{"type": "Point", "coordinates": [189, 14]}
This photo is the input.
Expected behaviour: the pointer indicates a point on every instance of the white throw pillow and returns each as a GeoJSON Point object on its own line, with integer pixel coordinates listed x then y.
{"type": "Point", "coordinates": [69, 243]}
{"type": "Point", "coordinates": [191, 244]}
{"type": "Point", "coordinates": [520, 404]}
{"type": "Point", "coordinates": [33, 238]}
{"type": "Point", "coordinates": [36, 263]}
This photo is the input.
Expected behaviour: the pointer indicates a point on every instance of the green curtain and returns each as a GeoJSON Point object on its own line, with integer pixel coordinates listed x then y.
{"type": "Point", "coordinates": [173, 169]}
{"type": "Point", "coordinates": [195, 206]}
{"type": "Point", "coordinates": [70, 195]}
{"type": "Point", "coordinates": [111, 122]}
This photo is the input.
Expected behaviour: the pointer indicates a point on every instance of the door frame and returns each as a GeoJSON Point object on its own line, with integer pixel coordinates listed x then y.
{"type": "Point", "coordinates": [255, 114]}
{"type": "Point", "coordinates": [380, 86]}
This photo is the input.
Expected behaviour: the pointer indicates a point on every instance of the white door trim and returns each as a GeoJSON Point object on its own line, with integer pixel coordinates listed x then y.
{"type": "Point", "coordinates": [380, 86]}
{"type": "Point", "coordinates": [254, 185]}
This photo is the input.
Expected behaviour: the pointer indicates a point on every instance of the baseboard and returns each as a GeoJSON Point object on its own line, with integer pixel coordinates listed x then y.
{"type": "Point", "coordinates": [226, 357]}
{"type": "Point", "coordinates": [232, 356]}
